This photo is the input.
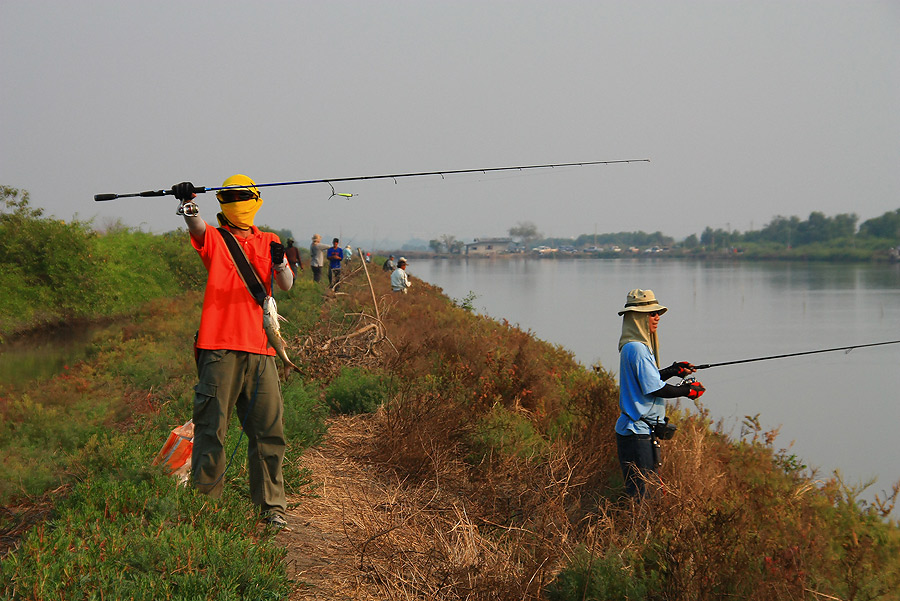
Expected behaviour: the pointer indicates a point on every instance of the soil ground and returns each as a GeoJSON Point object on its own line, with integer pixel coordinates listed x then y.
{"type": "Point", "coordinates": [326, 540]}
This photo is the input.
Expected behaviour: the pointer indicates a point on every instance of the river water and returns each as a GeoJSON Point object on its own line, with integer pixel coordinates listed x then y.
{"type": "Point", "coordinates": [835, 410]}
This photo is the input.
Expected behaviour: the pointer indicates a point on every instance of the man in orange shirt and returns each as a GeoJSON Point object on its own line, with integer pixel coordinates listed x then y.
{"type": "Point", "coordinates": [236, 365]}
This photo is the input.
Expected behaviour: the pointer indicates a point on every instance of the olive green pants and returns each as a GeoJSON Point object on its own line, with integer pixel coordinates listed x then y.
{"type": "Point", "coordinates": [247, 383]}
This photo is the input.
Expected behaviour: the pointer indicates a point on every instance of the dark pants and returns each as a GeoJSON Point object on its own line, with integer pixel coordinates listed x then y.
{"type": "Point", "coordinates": [246, 384]}
{"type": "Point", "coordinates": [334, 276]}
{"type": "Point", "coordinates": [638, 461]}
{"type": "Point", "coordinates": [317, 272]}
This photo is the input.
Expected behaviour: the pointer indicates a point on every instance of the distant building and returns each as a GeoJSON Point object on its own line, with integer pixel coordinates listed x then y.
{"type": "Point", "coordinates": [488, 246]}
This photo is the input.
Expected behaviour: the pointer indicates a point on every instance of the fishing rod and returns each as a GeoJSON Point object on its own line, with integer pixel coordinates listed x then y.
{"type": "Point", "coordinates": [827, 350]}
{"type": "Point", "coordinates": [394, 176]}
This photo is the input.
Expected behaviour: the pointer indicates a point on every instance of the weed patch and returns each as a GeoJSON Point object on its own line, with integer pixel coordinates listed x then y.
{"type": "Point", "coordinates": [133, 535]}
{"type": "Point", "coordinates": [356, 390]}
{"type": "Point", "coordinates": [614, 574]}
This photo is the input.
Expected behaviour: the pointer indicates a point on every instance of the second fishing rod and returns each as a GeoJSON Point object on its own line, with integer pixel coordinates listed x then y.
{"type": "Point", "coordinates": [846, 349]}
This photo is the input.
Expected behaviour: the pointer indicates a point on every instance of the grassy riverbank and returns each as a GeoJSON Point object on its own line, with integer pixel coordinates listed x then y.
{"type": "Point", "coordinates": [506, 437]}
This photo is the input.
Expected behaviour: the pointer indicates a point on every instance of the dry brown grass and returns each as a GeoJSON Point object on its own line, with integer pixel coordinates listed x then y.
{"type": "Point", "coordinates": [418, 501]}
{"type": "Point", "coordinates": [368, 534]}
{"type": "Point", "coordinates": [401, 510]}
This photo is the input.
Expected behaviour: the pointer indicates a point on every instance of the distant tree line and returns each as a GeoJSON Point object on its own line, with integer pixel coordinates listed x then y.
{"type": "Point", "coordinates": [779, 235]}
{"type": "Point", "coordinates": [819, 229]}
{"type": "Point", "coordinates": [786, 232]}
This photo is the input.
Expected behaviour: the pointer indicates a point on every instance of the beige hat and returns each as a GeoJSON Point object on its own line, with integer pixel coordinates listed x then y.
{"type": "Point", "coordinates": [642, 301]}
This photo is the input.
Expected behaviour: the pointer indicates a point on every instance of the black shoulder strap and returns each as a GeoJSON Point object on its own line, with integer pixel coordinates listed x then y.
{"type": "Point", "coordinates": [245, 270]}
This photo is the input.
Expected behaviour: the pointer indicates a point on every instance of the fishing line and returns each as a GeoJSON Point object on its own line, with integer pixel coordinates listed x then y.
{"type": "Point", "coordinates": [394, 176]}
{"type": "Point", "coordinates": [846, 349]}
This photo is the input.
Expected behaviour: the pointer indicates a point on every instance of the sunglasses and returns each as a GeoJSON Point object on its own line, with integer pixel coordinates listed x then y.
{"type": "Point", "coordinates": [228, 196]}
{"type": "Point", "coordinates": [654, 313]}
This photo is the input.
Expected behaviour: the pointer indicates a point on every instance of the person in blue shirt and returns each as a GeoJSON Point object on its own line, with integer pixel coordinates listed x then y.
{"type": "Point", "coordinates": [643, 390]}
{"type": "Point", "coordinates": [335, 256]}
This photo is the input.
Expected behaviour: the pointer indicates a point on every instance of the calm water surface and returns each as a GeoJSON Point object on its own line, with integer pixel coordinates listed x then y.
{"type": "Point", "coordinates": [840, 411]}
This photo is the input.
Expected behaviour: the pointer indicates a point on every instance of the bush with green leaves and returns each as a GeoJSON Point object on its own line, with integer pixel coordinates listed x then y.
{"type": "Point", "coordinates": [304, 413]}
{"type": "Point", "coordinates": [506, 433]}
{"type": "Point", "coordinates": [51, 268]}
{"type": "Point", "coordinates": [137, 266]}
{"type": "Point", "coordinates": [356, 390]}
{"type": "Point", "coordinates": [604, 575]}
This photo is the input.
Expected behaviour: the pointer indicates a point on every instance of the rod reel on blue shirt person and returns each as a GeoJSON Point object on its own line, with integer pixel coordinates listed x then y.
{"type": "Point", "coordinates": [394, 176]}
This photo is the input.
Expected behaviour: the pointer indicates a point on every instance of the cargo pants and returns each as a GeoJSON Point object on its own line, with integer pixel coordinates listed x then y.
{"type": "Point", "coordinates": [245, 383]}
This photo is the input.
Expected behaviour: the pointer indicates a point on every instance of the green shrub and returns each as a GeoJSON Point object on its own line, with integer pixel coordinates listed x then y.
{"type": "Point", "coordinates": [56, 257]}
{"type": "Point", "coordinates": [614, 575]}
{"type": "Point", "coordinates": [506, 433]}
{"type": "Point", "coordinates": [356, 390]}
{"type": "Point", "coordinates": [138, 266]}
{"type": "Point", "coordinates": [54, 270]}
{"type": "Point", "coordinates": [304, 414]}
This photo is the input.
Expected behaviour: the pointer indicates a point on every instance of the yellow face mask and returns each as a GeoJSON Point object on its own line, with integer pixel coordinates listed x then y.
{"type": "Point", "coordinates": [239, 203]}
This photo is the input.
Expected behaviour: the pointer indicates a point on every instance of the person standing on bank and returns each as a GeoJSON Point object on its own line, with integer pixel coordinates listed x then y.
{"type": "Point", "coordinates": [335, 256]}
{"type": "Point", "coordinates": [399, 279]}
{"type": "Point", "coordinates": [642, 389]}
{"type": "Point", "coordinates": [236, 366]}
{"type": "Point", "coordinates": [293, 256]}
{"type": "Point", "coordinates": [317, 257]}
{"type": "Point", "coordinates": [389, 264]}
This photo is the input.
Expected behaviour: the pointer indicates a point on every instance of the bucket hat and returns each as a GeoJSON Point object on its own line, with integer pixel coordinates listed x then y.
{"type": "Point", "coordinates": [642, 301]}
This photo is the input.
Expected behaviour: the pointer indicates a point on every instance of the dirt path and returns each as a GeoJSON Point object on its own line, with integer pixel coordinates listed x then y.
{"type": "Point", "coordinates": [320, 556]}
{"type": "Point", "coordinates": [364, 535]}
{"type": "Point", "coordinates": [332, 531]}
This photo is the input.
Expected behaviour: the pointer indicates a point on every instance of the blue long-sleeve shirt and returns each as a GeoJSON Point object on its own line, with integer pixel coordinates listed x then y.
{"type": "Point", "coordinates": [638, 377]}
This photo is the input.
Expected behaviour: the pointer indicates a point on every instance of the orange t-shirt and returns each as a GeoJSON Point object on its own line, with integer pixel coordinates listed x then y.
{"type": "Point", "coordinates": [231, 319]}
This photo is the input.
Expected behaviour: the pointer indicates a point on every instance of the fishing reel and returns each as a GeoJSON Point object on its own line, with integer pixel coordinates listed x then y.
{"type": "Point", "coordinates": [188, 209]}
{"type": "Point", "coordinates": [688, 380]}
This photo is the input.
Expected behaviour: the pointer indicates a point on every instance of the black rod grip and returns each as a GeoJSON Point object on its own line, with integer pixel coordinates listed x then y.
{"type": "Point", "coordinates": [102, 197]}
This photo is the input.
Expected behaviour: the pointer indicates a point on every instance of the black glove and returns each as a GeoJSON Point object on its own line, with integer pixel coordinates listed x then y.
{"type": "Point", "coordinates": [277, 253]}
{"type": "Point", "coordinates": [183, 191]}
{"type": "Point", "coordinates": [680, 369]}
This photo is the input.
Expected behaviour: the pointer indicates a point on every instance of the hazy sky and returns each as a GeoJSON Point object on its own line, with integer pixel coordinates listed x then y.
{"type": "Point", "coordinates": [746, 110]}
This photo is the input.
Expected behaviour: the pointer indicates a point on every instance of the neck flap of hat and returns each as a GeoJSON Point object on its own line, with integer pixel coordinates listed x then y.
{"type": "Point", "coordinates": [636, 328]}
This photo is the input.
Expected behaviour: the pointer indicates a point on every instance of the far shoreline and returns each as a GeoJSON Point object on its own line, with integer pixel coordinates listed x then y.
{"type": "Point", "coordinates": [794, 255]}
